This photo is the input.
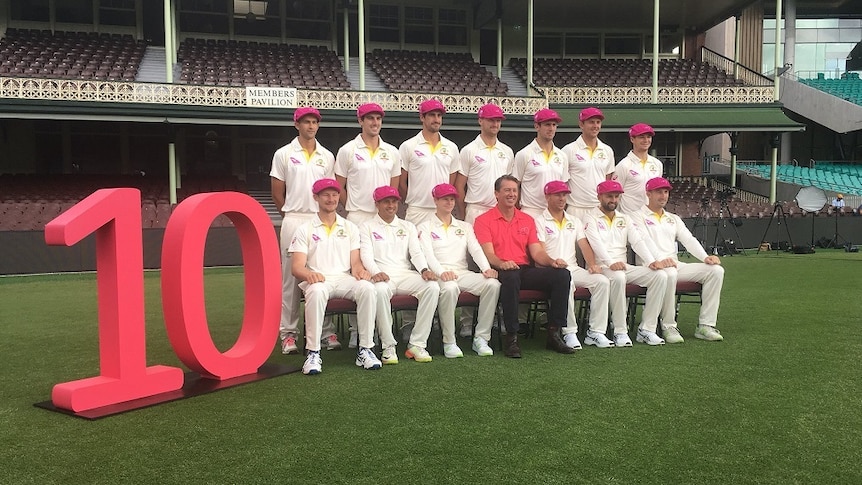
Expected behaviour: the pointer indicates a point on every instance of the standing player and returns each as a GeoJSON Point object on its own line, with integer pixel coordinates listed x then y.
{"type": "Point", "coordinates": [590, 162]}
{"type": "Point", "coordinates": [295, 168]}
{"type": "Point", "coordinates": [365, 163]}
{"type": "Point", "coordinates": [427, 160]}
{"type": "Point", "coordinates": [665, 229]}
{"type": "Point", "coordinates": [636, 168]}
{"type": "Point", "coordinates": [362, 164]}
{"type": "Point", "coordinates": [539, 163]}
{"type": "Point", "coordinates": [447, 242]}
{"type": "Point", "coordinates": [483, 161]}
{"type": "Point", "coordinates": [388, 247]}
{"type": "Point", "coordinates": [609, 232]}
{"type": "Point", "coordinates": [325, 254]}
{"type": "Point", "coordinates": [561, 234]}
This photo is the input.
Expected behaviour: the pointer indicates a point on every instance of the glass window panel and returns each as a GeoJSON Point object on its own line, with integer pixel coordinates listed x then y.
{"type": "Point", "coordinates": [204, 23]}
{"type": "Point", "coordinates": [582, 45]}
{"type": "Point", "coordinates": [548, 45]}
{"type": "Point", "coordinates": [453, 36]}
{"type": "Point", "coordinates": [116, 17]}
{"type": "Point", "coordinates": [621, 45]}
{"type": "Point", "coordinates": [269, 27]}
{"type": "Point", "coordinates": [34, 10]}
{"type": "Point", "coordinates": [827, 35]}
{"type": "Point", "coordinates": [415, 34]}
{"type": "Point", "coordinates": [304, 9]}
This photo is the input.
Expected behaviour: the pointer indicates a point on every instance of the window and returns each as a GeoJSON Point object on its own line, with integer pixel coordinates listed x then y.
{"type": "Point", "coordinates": [384, 24]}
{"type": "Point", "coordinates": [73, 11]}
{"type": "Point", "coordinates": [547, 45]}
{"type": "Point", "coordinates": [623, 45]}
{"type": "Point", "coordinates": [666, 44]}
{"type": "Point", "coordinates": [117, 12]}
{"type": "Point", "coordinates": [32, 10]}
{"type": "Point", "coordinates": [204, 16]}
{"type": "Point", "coordinates": [453, 27]}
{"type": "Point", "coordinates": [419, 25]}
{"type": "Point", "coordinates": [583, 45]}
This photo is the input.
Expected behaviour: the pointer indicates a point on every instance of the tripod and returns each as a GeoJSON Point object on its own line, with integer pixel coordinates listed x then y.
{"type": "Point", "coordinates": [833, 243]}
{"type": "Point", "coordinates": [777, 210]}
{"type": "Point", "coordinates": [701, 221]}
{"type": "Point", "coordinates": [721, 229]}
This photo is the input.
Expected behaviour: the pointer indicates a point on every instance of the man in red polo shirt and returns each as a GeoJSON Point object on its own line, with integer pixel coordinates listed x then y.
{"type": "Point", "coordinates": [508, 238]}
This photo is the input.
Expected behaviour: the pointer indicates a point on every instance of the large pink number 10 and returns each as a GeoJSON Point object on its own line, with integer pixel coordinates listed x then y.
{"type": "Point", "coordinates": [115, 216]}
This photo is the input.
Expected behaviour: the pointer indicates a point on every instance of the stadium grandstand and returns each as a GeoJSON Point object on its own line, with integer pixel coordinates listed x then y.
{"type": "Point", "coordinates": [176, 97]}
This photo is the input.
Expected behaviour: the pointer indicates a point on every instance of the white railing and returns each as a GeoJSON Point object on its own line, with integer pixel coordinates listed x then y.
{"type": "Point", "coordinates": [666, 95]}
{"type": "Point", "coordinates": [235, 97]}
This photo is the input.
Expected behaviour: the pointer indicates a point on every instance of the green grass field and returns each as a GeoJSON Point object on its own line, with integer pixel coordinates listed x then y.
{"type": "Point", "coordinates": [779, 401]}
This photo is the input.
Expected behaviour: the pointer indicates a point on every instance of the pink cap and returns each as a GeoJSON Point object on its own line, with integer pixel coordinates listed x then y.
{"type": "Point", "coordinates": [590, 112]}
{"type": "Point", "coordinates": [491, 111]}
{"type": "Point", "coordinates": [305, 111]}
{"type": "Point", "coordinates": [609, 186]}
{"type": "Point", "coordinates": [546, 114]}
{"type": "Point", "coordinates": [369, 108]}
{"type": "Point", "coordinates": [658, 183]}
{"type": "Point", "coordinates": [431, 105]}
{"type": "Point", "coordinates": [324, 184]}
{"type": "Point", "coordinates": [639, 129]}
{"type": "Point", "coordinates": [385, 192]}
{"type": "Point", "coordinates": [556, 187]}
{"type": "Point", "coordinates": [442, 190]}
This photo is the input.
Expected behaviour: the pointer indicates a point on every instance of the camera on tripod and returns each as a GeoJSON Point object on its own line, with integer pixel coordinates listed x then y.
{"type": "Point", "coordinates": [725, 194]}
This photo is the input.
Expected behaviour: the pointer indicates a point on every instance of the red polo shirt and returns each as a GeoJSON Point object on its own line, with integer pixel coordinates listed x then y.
{"type": "Point", "coordinates": [510, 238]}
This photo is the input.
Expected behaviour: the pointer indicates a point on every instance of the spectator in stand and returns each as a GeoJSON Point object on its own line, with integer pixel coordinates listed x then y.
{"type": "Point", "coordinates": [838, 202]}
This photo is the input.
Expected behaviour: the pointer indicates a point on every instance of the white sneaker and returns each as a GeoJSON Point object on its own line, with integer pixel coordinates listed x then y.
{"type": "Point", "coordinates": [466, 331]}
{"type": "Point", "coordinates": [452, 351]}
{"type": "Point", "coordinates": [705, 332]}
{"type": "Point", "coordinates": [332, 342]}
{"type": "Point", "coordinates": [354, 339]}
{"type": "Point", "coordinates": [672, 336]}
{"type": "Point", "coordinates": [572, 341]}
{"type": "Point", "coordinates": [649, 338]}
{"type": "Point", "coordinates": [481, 347]}
{"type": "Point", "coordinates": [600, 340]}
{"type": "Point", "coordinates": [417, 353]}
{"type": "Point", "coordinates": [623, 340]}
{"type": "Point", "coordinates": [390, 355]}
{"type": "Point", "coordinates": [313, 364]}
{"type": "Point", "coordinates": [367, 360]}
{"type": "Point", "coordinates": [288, 345]}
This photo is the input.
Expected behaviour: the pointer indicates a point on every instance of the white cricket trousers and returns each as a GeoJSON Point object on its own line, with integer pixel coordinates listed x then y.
{"type": "Point", "coordinates": [711, 276]}
{"type": "Point", "coordinates": [290, 293]}
{"type": "Point", "coordinates": [654, 281]}
{"type": "Point", "coordinates": [599, 287]}
{"type": "Point", "coordinates": [317, 295]}
{"type": "Point", "coordinates": [488, 291]}
{"type": "Point", "coordinates": [406, 283]}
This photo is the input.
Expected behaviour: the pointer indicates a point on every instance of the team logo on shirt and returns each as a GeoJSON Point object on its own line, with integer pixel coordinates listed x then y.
{"type": "Point", "coordinates": [649, 222]}
{"type": "Point", "coordinates": [549, 231]}
{"type": "Point", "coordinates": [557, 160]}
{"type": "Point", "coordinates": [601, 226]}
{"type": "Point", "coordinates": [444, 151]}
{"type": "Point", "coordinates": [459, 232]}
{"type": "Point", "coordinates": [341, 233]}
{"type": "Point", "coordinates": [600, 155]}
{"type": "Point", "coordinates": [579, 157]}
{"type": "Point", "coordinates": [479, 159]}
{"type": "Point", "coordinates": [401, 234]}
{"type": "Point", "coordinates": [653, 170]}
{"type": "Point", "coordinates": [669, 220]}
{"type": "Point", "coordinates": [315, 237]}
{"type": "Point", "coordinates": [319, 162]}
{"type": "Point", "coordinates": [434, 236]}
{"type": "Point", "coordinates": [500, 154]}
{"type": "Point", "coordinates": [418, 153]}
{"type": "Point", "coordinates": [295, 161]}
{"type": "Point", "coordinates": [536, 163]}
{"type": "Point", "coordinates": [359, 158]}
{"type": "Point", "coordinates": [377, 237]}
{"type": "Point", "coordinates": [633, 173]}
{"type": "Point", "coordinates": [620, 223]}
{"type": "Point", "coordinates": [384, 155]}
{"type": "Point", "coordinates": [570, 226]}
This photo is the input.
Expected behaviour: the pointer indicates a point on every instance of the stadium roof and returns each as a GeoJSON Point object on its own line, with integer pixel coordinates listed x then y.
{"type": "Point", "coordinates": [624, 14]}
{"type": "Point", "coordinates": [689, 118]}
